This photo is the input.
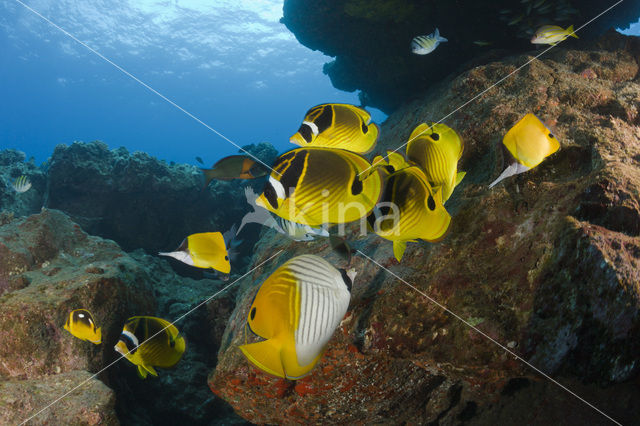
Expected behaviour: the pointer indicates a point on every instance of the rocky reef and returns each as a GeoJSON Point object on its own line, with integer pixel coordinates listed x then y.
{"type": "Point", "coordinates": [546, 263]}
{"type": "Point", "coordinates": [370, 39]}
{"type": "Point", "coordinates": [48, 267]}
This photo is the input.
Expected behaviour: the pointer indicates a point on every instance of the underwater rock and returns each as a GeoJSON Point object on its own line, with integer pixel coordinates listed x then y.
{"type": "Point", "coordinates": [12, 166]}
{"type": "Point", "coordinates": [139, 201]}
{"type": "Point", "coordinates": [92, 405]}
{"type": "Point", "coordinates": [370, 40]}
{"type": "Point", "coordinates": [547, 263]}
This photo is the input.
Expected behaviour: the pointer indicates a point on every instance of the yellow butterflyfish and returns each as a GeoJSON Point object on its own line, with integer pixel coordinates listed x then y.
{"type": "Point", "coordinates": [409, 210]}
{"type": "Point", "coordinates": [529, 142]}
{"type": "Point", "coordinates": [297, 310]}
{"type": "Point", "coordinates": [314, 186]}
{"type": "Point", "coordinates": [81, 324]}
{"type": "Point", "coordinates": [437, 149]}
{"type": "Point", "coordinates": [150, 342]}
{"type": "Point", "coordinates": [203, 250]}
{"type": "Point", "coordinates": [341, 126]}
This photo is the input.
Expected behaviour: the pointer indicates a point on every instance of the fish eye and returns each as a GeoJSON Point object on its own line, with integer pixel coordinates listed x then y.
{"type": "Point", "coordinates": [253, 313]}
{"type": "Point", "coordinates": [365, 129]}
{"type": "Point", "coordinates": [431, 203]}
{"type": "Point", "coordinates": [551, 135]}
{"type": "Point", "coordinates": [226, 258]}
{"type": "Point", "coordinates": [435, 136]}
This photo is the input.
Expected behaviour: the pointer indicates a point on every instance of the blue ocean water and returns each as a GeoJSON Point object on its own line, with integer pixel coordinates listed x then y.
{"type": "Point", "coordinates": [229, 63]}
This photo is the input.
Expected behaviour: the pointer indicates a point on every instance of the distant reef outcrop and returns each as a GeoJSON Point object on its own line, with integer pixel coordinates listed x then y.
{"type": "Point", "coordinates": [546, 263]}
{"type": "Point", "coordinates": [370, 39]}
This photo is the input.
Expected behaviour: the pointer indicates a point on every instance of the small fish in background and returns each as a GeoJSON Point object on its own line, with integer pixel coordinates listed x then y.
{"type": "Point", "coordinates": [437, 148]}
{"type": "Point", "coordinates": [529, 142]}
{"type": "Point", "coordinates": [150, 342]}
{"type": "Point", "coordinates": [21, 184]}
{"type": "Point", "coordinates": [425, 44]}
{"type": "Point", "coordinates": [297, 309]}
{"type": "Point", "coordinates": [203, 250]}
{"type": "Point", "coordinates": [235, 167]}
{"type": "Point", "coordinates": [312, 186]}
{"type": "Point", "coordinates": [341, 126]}
{"type": "Point", "coordinates": [552, 34]}
{"type": "Point", "coordinates": [409, 210]}
{"type": "Point", "coordinates": [341, 247]}
{"type": "Point", "coordinates": [516, 20]}
{"type": "Point", "coordinates": [482, 43]}
{"type": "Point", "coordinates": [81, 324]}
{"type": "Point", "coordinates": [298, 231]}
{"type": "Point", "coordinates": [199, 160]}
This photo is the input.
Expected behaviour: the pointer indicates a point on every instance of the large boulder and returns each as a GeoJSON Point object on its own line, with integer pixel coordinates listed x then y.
{"type": "Point", "coordinates": [546, 263]}
{"type": "Point", "coordinates": [370, 39]}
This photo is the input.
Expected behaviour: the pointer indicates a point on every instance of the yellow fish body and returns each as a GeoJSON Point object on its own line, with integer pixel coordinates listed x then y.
{"type": "Point", "coordinates": [437, 149]}
{"type": "Point", "coordinates": [409, 210]}
{"type": "Point", "coordinates": [203, 250]}
{"type": "Point", "coordinates": [552, 34]}
{"type": "Point", "coordinates": [297, 309]}
{"type": "Point", "coordinates": [314, 186]}
{"type": "Point", "coordinates": [81, 324]}
{"type": "Point", "coordinates": [341, 126]}
{"type": "Point", "coordinates": [529, 142]}
{"type": "Point", "coordinates": [150, 342]}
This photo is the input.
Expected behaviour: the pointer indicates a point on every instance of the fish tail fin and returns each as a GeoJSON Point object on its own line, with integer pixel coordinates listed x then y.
{"type": "Point", "coordinates": [438, 36]}
{"type": "Point", "coordinates": [398, 249]}
{"type": "Point", "coordinates": [571, 32]}
{"type": "Point", "coordinates": [209, 175]}
{"type": "Point", "coordinates": [266, 356]}
{"type": "Point", "coordinates": [459, 177]}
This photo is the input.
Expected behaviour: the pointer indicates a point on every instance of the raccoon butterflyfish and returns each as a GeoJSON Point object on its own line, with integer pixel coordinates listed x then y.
{"type": "Point", "coordinates": [552, 34]}
{"type": "Point", "coordinates": [529, 142]}
{"type": "Point", "coordinates": [341, 126]}
{"type": "Point", "coordinates": [150, 342]}
{"type": "Point", "coordinates": [409, 210]}
{"type": "Point", "coordinates": [424, 44]}
{"type": "Point", "coordinates": [235, 167]}
{"type": "Point", "coordinates": [81, 324]}
{"type": "Point", "coordinates": [316, 186]}
{"type": "Point", "coordinates": [296, 310]}
{"type": "Point", "coordinates": [204, 250]}
{"type": "Point", "coordinates": [390, 163]}
{"type": "Point", "coordinates": [437, 149]}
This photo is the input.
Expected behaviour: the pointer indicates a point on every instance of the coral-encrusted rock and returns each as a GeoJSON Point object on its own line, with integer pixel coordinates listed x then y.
{"type": "Point", "coordinates": [92, 404]}
{"type": "Point", "coordinates": [48, 267]}
{"type": "Point", "coordinates": [137, 200]}
{"type": "Point", "coordinates": [370, 39]}
{"type": "Point", "coordinates": [546, 263]}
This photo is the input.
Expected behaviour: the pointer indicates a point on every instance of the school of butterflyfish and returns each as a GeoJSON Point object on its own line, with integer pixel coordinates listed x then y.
{"type": "Point", "coordinates": [326, 181]}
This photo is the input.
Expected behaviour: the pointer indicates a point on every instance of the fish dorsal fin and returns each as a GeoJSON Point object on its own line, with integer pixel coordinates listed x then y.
{"type": "Point", "coordinates": [420, 130]}
{"type": "Point", "coordinates": [265, 355]}
{"type": "Point", "coordinates": [398, 249]}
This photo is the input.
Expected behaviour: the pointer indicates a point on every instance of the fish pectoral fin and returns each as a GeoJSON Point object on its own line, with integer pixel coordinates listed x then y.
{"type": "Point", "coordinates": [266, 356]}
{"type": "Point", "coordinates": [514, 169]}
{"type": "Point", "coordinates": [459, 177]}
{"type": "Point", "coordinates": [398, 249]}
